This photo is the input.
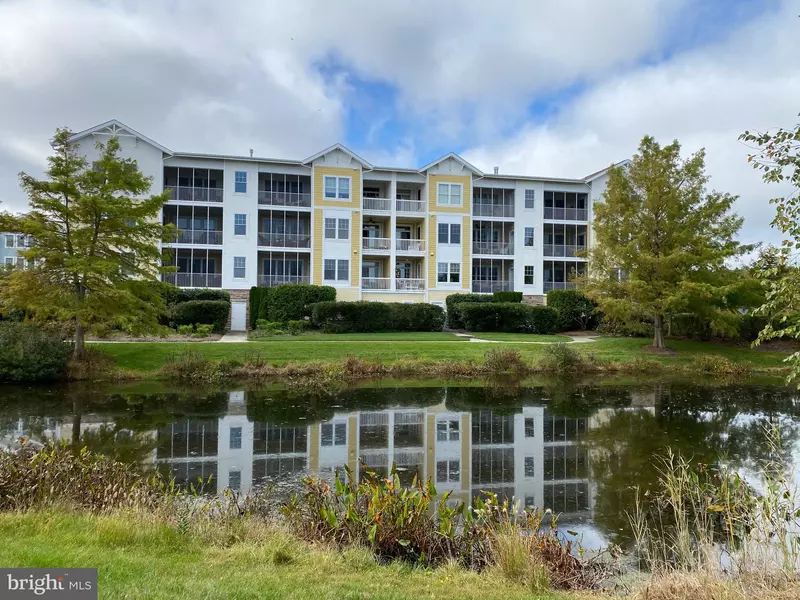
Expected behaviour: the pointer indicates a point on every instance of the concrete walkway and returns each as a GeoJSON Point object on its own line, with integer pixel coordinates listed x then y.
{"type": "Point", "coordinates": [234, 336]}
{"type": "Point", "coordinates": [573, 338]}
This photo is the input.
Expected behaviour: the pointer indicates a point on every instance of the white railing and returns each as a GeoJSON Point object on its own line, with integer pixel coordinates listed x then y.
{"type": "Point", "coordinates": [409, 285]}
{"type": "Point", "coordinates": [376, 283]}
{"type": "Point", "coordinates": [295, 199]}
{"type": "Point", "coordinates": [488, 287]}
{"type": "Point", "coordinates": [563, 250]}
{"type": "Point", "coordinates": [495, 248]}
{"type": "Point", "coordinates": [380, 204]}
{"type": "Point", "coordinates": [410, 206]}
{"type": "Point", "coordinates": [410, 245]}
{"type": "Point", "coordinates": [199, 280]}
{"type": "Point", "coordinates": [558, 285]}
{"type": "Point", "coordinates": [565, 214]}
{"type": "Point", "coordinates": [273, 280]}
{"type": "Point", "coordinates": [493, 210]}
{"type": "Point", "coordinates": [372, 243]}
{"type": "Point", "coordinates": [194, 194]}
{"type": "Point", "coordinates": [196, 236]}
{"type": "Point", "coordinates": [285, 240]}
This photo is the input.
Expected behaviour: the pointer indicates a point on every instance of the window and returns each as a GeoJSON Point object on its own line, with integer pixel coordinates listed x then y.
{"type": "Point", "coordinates": [234, 480]}
{"type": "Point", "coordinates": [447, 431]}
{"type": "Point", "coordinates": [330, 269]}
{"type": "Point", "coordinates": [344, 229]}
{"type": "Point", "coordinates": [342, 270]}
{"type": "Point", "coordinates": [448, 470]}
{"type": "Point", "coordinates": [236, 438]}
{"type": "Point", "coordinates": [449, 233]}
{"type": "Point", "coordinates": [530, 429]}
{"type": "Point", "coordinates": [455, 272]}
{"type": "Point", "coordinates": [530, 467]}
{"type": "Point", "coordinates": [21, 240]}
{"type": "Point", "coordinates": [442, 272]}
{"type": "Point", "coordinates": [530, 198]}
{"type": "Point", "coordinates": [239, 264]}
{"type": "Point", "coordinates": [337, 188]}
{"type": "Point", "coordinates": [9, 261]}
{"type": "Point", "coordinates": [449, 194]}
{"type": "Point", "coordinates": [448, 272]}
{"type": "Point", "coordinates": [10, 240]}
{"type": "Point", "coordinates": [333, 434]}
{"type": "Point", "coordinates": [528, 274]}
{"type": "Point", "coordinates": [240, 182]}
{"type": "Point", "coordinates": [529, 236]}
{"type": "Point", "coordinates": [444, 233]}
{"type": "Point", "coordinates": [330, 229]}
{"type": "Point", "coordinates": [455, 233]}
{"type": "Point", "coordinates": [239, 224]}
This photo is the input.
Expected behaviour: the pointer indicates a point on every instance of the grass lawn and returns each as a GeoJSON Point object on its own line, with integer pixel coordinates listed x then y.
{"type": "Point", "coordinates": [401, 336]}
{"type": "Point", "coordinates": [144, 356]}
{"type": "Point", "coordinates": [519, 337]}
{"type": "Point", "coordinates": [137, 558]}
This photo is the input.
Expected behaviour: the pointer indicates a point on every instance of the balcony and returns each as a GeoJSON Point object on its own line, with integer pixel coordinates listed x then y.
{"type": "Point", "coordinates": [558, 285]}
{"type": "Point", "coordinates": [374, 244]}
{"type": "Point", "coordinates": [273, 280]}
{"type": "Point", "coordinates": [194, 280]}
{"type": "Point", "coordinates": [571, 251]}
{"type": "Point", "coordinates": [410, 246]}
{"type": "Point", "coordinates": [194, 194]}
{"type": "Point", "coordinates": [383, 205]}
{"type": "Point", "coordinates": [409, 285]}
{"type": "Point", "coordinates": [197, 236]}
{"type": "Point", "coordinates": [490, 287]}
{"type": "Point", "coordinates": [384, 284]}
{"type": "Point", "coordinates": [493, 210]}
{"type": "Point", "coordinates": [493, 248]}
{"type": "Point", "coordinates": [376, 283]}
{"type": "Point", "coordinates": [284, 240]}
{"type": "Point", "coordinates": [410, 207]}
{"type": "Point", "coordinates": [565, 214]}
{"type": "Point", "coordinates": [284, 199]}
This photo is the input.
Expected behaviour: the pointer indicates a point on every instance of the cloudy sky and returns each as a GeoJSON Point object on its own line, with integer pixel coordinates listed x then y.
{"type": "Point", "coordinates": [552, 87]}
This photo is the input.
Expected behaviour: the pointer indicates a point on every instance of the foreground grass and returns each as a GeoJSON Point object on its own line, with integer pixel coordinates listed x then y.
{"type": "Point", "coordinates": [139, 557]}
{"type": "Point", "coordinates": [147, 357]}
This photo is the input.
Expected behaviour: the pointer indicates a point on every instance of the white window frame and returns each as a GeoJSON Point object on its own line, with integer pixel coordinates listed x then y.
{"type": "Point", "coordinates": [455, 270]}
{"type": "Point", "coordinates": [10, 261]}
{"type": "Point", "coordinates": [243, 267]}
{"type": "Point", "coordinates": [339, 270]}
{"type": "Point", "coordinates": [446, 198]}
{"type": "Point", "coordinates": [525, 275]}
{"type": "Point", "coordinates": [449, 470]}
{"type": "Point", "coordinates": [239, 437]}
{"type": "Point", "coordinates": [329, 232]}
{"type": "Point", "coordinates": [442, 269]}
{"type": "Point", "coordinates": [532, 236]}
{"type": "Point", "coordinates": [10, 237]}
{"type": "Point", "coordinates": [325, 264]}
{"type": "Point", "coordinates": [337, 187]}
{"type": "Point", "coordinates": [532, 198]}
{"type": "Point", "coordinates": [237, 180]}
{"type": "Point", "coordinates": [242, 224]}
{"type": "Point", "coordinates": [333, 427]}
{"type": "Point", "coordinates": [450, 432]}
{"type": "Point", "coordinates": [346, 229]}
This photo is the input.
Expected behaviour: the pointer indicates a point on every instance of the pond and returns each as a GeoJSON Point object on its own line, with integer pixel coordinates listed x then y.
{"type": "Point", "coordinates": [579, 449]}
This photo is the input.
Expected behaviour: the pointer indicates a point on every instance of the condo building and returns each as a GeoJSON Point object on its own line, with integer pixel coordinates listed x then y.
{"type": "Point", "coordinates": [374, 233]}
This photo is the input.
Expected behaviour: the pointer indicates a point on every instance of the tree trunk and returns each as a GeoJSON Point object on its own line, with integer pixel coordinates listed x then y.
{"type": "Point", "coordinates": [80, 341]}
{"type": "Point", "coordinates": [658, 335]}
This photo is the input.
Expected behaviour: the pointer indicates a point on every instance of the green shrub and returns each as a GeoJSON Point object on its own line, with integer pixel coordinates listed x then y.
{"type": "Point", "coordinates": [186, 329]}
{"type": "Point", "coordinates": [210, 312]}
{"type": "Point", "coordinates": [292, 302]}
{"type": "Point", "coordinates": [575, 310]}
{"type": "Point", "coordinates": [203, 330]}
{"type": "Point", "coordinates": [257, 298]}
{"type": "Point", "coordinates": [30, 353]}
{"type": "Point", "coordinates": [190, 295]}
{"type": "Point", "coordinates": [690, 326]}
{"type": "Point", "coordinates": [298, 327]}
{"type": "Point", "coordinates": [750, 326]}
{"type": "Point", "coordinates": [561, 358]}
{"type": "Point", "coordinates": [508, 316]}
{"type": "Point", "coordinates": [364, 317]}
{"type": "Point", "coordinates": [504, 360]}
{"type": "Point", "coordinates": [619, 328]}
{"type": "Point", "coordinates": [507, 297]}
{"type": "Point", "coordinates": [454, 320]}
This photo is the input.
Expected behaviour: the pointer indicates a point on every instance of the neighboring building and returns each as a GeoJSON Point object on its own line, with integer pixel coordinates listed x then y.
{"type": "Point", "coordinates": [10, 245]}
{"type": "Point", "coordinates": [374, 233]}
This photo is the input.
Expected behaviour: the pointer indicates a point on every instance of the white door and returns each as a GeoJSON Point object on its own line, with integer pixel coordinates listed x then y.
{"type": "Point", "coordinates": [238, 316]}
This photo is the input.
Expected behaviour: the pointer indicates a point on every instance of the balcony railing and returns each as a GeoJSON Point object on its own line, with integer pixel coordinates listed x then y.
{"type": "Point", "coordinates": [494, 248]}
{"type": "Point", "coordinates": [379, 204]}
{"type": "Point", "coordinates": [565, 214]}
{"type": "Point", "coordinates": [489, 287]}
{"type": "Point", "coordinates": [563, 250]}
{"type": "Point", "coordinates": [558, 285]}
{"type": "Point", "coordinates": [198, 280]}
{"type": "Point", "coordinates": [196, 236]}
{"type": "Point", "coordinates": [409, 285]}
{"type": "Point", "coordinates": [410, 206]}
{"type": "Point", "coordinates": [273, 280]}
{"type": "Point", "coordinates": [410, 245]}
{"type": "Point", "coordinates": [285, 240]}
{"type": "Point", "coordinates": [194, 194]}
{"type": "Point", "coordinates": [291, 199]}
{"type": "Point", "coordinates": [373, 243]}
{"type": "Point", "coordinates": [376, 283]}
{"type": "Point", "coordinates": [493, 210]}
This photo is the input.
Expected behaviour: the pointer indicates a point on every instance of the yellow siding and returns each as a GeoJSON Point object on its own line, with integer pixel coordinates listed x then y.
{"type": "Point", "coordinates": [319, 187]}
{"type": "Point", "coordinates": [432, 252]}
{"type": "Point", "coordinates": [317, 248]}
{"type": "Point", "coordinates": [466, 266]}
{"type": "Point", "coordinates": [393, 297]}
{"type": "Point", "coordinates": [466, 198]}
{"type": "Point", "coordinates": [348, 294]}
{"type": "Point", "coordinates": [355, 242]}
{"type": "Point", "coordinates": [441, 295]}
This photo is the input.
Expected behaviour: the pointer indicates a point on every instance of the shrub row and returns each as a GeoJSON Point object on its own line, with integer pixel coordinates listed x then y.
{"type": "Point", "coordinates": [30, 353]}
{"type": "Point", "coordinates": [175, 295]}
{"type": "Point", "coordinates": [507, 316]}
{"type": "Point", "coordinates": [291, 302]}
{"type": "Point", "coordinates": [206, 312]}
{"type": "Point", "coordinates": [364, 317]}
{"type": "Point", "coordinates": [454, 300]}
{"type": "Point", "coordinates": [575, 310]}
{"type": "Point", "coordinates": [507, 297]}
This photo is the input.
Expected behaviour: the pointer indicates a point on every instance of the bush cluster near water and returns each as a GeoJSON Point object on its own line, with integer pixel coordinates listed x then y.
{"type": "Point", "coordinates": [29, 353]}
{"type": "Point", "coordinates": [367, 317]}
{"type": "Point", "coordinates": [502, 311]}
{"type": "Point", "coordinates": [283, 303]}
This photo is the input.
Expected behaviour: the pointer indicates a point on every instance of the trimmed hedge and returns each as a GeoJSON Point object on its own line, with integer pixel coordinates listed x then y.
{"type": "Point", "coordinates": [207, 312]}
{"type": "Point", "coordinates": [289, 302]}
{"type": "Point", "coordinates": [367, 317]}
{"type": "Point", "coordinates": [258, 295]}
{"type": "Point", "coordinates": [453, 300]}
{"type": "Point", "coordinates": [570, 305]}
{"type": "Point", "coordinates": [29, 353]}
{"type": "Point", "coordinates": [189, 295]}
{"type": "Point", "coordinates": [507, 297]}
{"type": "Point", "coordinates": [509, 317]}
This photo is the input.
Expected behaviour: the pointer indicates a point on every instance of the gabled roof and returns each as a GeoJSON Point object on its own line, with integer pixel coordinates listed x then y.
{"type": "Point", "coordinates": [456, 158]}
{"type": "Point", "coordinates": [114, 127]}
{"type": "Point", "coordinates": [601, 172]}
{"type": "Point", "coordinates": [341, 148]}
